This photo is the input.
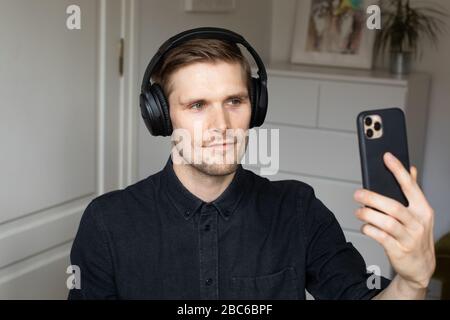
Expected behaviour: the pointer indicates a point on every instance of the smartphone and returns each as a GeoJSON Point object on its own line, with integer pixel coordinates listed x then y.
{"type": "Point", "coordinates": [381, 131]}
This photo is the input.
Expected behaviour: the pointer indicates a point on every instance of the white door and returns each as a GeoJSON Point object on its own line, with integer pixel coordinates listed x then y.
{"type": "Point", "coordinates": [61, 96]}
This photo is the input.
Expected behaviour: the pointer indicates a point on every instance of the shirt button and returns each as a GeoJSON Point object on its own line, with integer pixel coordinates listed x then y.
{"type": "Point", "coordinates": [209, 281]}
{"type": "Point", "coordinates": [187, 213]}
{"type": "Point", "coordinates": [207, 227]}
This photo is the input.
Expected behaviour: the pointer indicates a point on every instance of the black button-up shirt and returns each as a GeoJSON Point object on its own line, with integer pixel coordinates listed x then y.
{"type": "Point", "coordinates": [258, 240]}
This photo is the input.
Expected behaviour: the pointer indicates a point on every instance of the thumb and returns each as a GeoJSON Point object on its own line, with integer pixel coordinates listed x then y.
{"type": "Point", "coordinates": [413, 171]}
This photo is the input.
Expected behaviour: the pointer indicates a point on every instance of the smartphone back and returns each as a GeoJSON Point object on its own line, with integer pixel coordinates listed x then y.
{"type": "Point", "coordinates": [389, 136]}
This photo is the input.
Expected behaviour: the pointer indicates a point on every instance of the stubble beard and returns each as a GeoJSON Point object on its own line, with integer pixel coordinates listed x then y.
{"type": "Point", "coordinates": [218, 169]}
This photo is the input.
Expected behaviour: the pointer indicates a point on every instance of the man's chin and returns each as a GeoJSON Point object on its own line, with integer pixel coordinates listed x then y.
{"type": "Point", "coordinates": [216, 169]}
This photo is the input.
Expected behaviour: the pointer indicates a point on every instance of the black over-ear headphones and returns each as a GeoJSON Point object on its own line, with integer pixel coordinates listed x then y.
{"type": "Point", "coordinates": [153, 103]}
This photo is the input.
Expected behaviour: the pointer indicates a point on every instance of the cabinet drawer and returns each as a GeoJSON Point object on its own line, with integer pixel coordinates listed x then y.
{"type": "Point", "coordinates": [292, 101]}
{"type": "Point", "coordinates": [340, 103]}
{"type": "Point", "coordinates": [316, 152]}
{"type": "Point", "coordinates": [372, 252]}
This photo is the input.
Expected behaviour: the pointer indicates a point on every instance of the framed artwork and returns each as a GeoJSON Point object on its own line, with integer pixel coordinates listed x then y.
{"type": "Point", "coordinates": [333, 33]}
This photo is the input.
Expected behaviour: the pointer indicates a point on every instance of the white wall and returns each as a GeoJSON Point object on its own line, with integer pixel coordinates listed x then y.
{"type": "Point", "coordinates": [52, 150]}
{"type": "Point", "coordinates": [161, 19]}
{"type": "Point", "coordinates": [436, 179]}
{"type": "Point", "coordinates": [437, 153]}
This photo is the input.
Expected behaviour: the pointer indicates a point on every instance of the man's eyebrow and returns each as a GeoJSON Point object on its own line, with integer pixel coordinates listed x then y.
{"type": "Point", "coordinates": [241, 95]}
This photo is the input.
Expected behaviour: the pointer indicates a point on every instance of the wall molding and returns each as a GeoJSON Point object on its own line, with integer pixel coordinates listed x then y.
{"type": "Point", "coordinates": [130, 89]}
{"type": "Point", "coordinates": [33, 234]}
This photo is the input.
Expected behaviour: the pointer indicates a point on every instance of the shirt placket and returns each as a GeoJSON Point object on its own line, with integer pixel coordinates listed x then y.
{"type": "Point", "coordinates": [209, 264]}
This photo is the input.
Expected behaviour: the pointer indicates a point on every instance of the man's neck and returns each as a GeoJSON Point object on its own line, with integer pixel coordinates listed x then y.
{"type": "Point", "coordinates": [205, 187]}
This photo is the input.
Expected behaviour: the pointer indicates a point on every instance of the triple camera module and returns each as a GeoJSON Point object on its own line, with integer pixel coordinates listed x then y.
{"type": "Point", "coordinates": [373, 126]}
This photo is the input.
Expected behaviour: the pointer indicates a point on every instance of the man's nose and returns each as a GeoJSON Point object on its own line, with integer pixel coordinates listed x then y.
{"type": "Point", "coordinates": [220, 120]}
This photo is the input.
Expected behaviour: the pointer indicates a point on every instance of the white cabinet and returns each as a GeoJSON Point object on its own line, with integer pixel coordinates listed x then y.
{"type": "Point", "coordinates": [341, 101]}
{"type": "Point", "coordinates": [302, 95]}
{"type": "Point", "coordinates": [315, 111]}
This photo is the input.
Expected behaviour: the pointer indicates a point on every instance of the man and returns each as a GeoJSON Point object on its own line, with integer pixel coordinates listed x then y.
{"type": "Point", "coordinates": [205, 228]}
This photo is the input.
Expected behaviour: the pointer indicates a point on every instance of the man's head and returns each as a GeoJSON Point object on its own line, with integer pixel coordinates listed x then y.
{"type": "Point", "coordinates": [207, 83]}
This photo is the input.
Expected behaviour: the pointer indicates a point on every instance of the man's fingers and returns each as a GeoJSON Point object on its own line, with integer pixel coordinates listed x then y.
{"type": "Point", "coordinates": [407, 183]}
{"type": "Point", "coordinates": [385, 223]}
{"type": "Point", "coordinates": [388, 242]}
{"type": "Point", "coordinates": [413, 171]}
{"type": "Point", "coordinates": [385, 204]}
{"type": "Point", "coordinates": [418, 203]}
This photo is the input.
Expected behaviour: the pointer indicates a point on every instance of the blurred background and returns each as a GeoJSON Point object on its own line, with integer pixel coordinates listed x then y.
{"type": "Point", "coordinates": [70, 126]}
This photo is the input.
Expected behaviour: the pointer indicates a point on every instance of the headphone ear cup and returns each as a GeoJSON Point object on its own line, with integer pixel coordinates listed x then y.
{"type": "Point", "coordinates": [254, 96]}
{"type": "Point", "coordinates": [263, 103]}
{"type": "Point", "coordinates": [163, 107]}
{"type": "Point", "coordinates": [259, 103]}
{"type": "Point", "coordinates": [150, 113]}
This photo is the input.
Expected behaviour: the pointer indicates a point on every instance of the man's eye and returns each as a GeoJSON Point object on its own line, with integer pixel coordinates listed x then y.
{"type": "Point", "coordinates": [196, 106]}
{"type": "Point", "coordinates": [235, 101]}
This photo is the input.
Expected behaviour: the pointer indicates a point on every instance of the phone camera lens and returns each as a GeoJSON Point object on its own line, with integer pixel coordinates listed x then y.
{"type": "Point", "coordinates": [377, 126]}
{"type": "Point", "coordinates": [368, 121]}
{"type": "Point", "coordinates": [369, 133]}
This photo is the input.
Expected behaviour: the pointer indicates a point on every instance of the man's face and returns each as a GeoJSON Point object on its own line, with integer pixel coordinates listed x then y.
{"type": "Point", "coordinates": [210, 103]}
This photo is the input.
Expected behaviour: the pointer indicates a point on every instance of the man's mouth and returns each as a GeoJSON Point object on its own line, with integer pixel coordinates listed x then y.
{"type": "Point", "coordinates": [222, 145]}
{"type": "Point", "coordinates": [225, 144]}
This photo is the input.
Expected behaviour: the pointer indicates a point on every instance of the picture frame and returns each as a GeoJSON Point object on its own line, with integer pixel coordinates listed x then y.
{"type": "Point", "coordinates": [333, 33]}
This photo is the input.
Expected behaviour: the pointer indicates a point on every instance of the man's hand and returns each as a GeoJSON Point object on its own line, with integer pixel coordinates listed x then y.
{"type": "Point", "coordinates": [406, 233]}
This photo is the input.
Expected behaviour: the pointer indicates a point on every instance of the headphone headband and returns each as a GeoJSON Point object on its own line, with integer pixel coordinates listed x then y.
{"type": "Point", "coordinates": [202, 33]}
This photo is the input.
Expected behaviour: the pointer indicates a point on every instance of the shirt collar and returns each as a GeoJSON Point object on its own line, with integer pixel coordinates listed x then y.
{"type": "Point", "coordinates": [188, 204]}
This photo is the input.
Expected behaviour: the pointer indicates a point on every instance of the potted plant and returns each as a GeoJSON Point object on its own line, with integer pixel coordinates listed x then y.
{"type": "Point", "coordinates": [404, 26]}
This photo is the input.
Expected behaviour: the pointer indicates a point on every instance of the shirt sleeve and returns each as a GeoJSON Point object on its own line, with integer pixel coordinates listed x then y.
{"type": "Point", "coordinates": [334, 268]}
{"type": "Point", "coordinates": [92, 256]}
